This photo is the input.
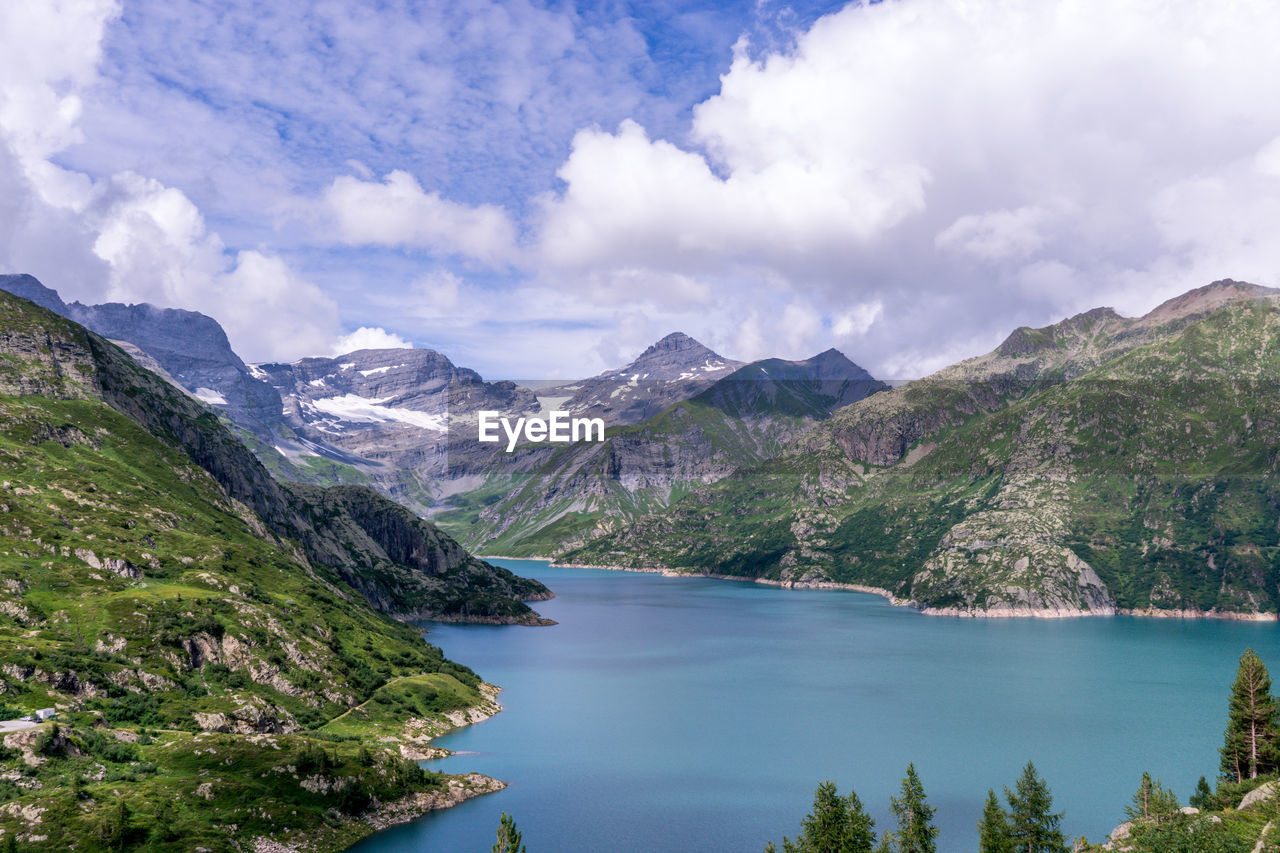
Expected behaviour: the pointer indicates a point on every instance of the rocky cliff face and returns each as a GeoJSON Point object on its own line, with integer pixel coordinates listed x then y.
{"type": "Point", "coordinates": [418, 388]}
{"type": "Point", "coordinates": [1101, 463]}
{"type": "Point", "coordinates": [406, 417]}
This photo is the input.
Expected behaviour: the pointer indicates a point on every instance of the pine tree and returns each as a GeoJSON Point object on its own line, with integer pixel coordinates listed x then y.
{"type": "Point", "coordinates": [1202, 797]}
{"type": "Point", "coordinates": [1033, 827]}
{"type": "Point", "coordinates": [1153, 801]}
{"type": "Point", "coordinates": [824, 828]}
{"type": "Point", "coordinates": [993, 829]}
{"type": "Point", "coordinates": [860, 831]}
{"type": "Point", "coordinates": [509, 840]}
{"type": "Point", "coordinates": [836, 825]}
{"type": "Point", "coordinates": [1249, 745]}
{"type": "Point", "coordinates": [916, 832]}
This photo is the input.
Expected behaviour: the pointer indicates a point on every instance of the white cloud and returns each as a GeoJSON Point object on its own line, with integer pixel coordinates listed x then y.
{"type": "Point", "coordinates": [125, 237]}
{"type": "Point", "coordinates": [966, 167]}
{"type": "Point", "coordinates": [997, 234]}
{"type": "Point", "coordinates": [632, 201]}
{"type": "Point", "coordinates": [368, 337]}
{"type": "Point", "coordinates": [158, 249]}
{"type": "Point", "coordinates": [856, 321]}
{"type": "Point", "coordinates": [51, 49]}
{"type": "Point", "coordinates": [398, 212]}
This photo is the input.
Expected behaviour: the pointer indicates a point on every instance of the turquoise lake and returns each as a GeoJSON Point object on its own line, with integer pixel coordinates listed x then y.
{"type": "Point", "coordinates": [685, 714]}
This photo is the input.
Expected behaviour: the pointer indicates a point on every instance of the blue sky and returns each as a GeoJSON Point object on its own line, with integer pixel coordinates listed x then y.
{"type": "Point", "coordinates": [543, 189]}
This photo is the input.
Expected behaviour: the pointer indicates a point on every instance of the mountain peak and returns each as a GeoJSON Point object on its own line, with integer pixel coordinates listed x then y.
{"type": "Point", "coordinates": [1203, 299]}
{"type": "Point", "coordinates": [29, 287]}
{"type": "Point", "coordinates": [676, 342]}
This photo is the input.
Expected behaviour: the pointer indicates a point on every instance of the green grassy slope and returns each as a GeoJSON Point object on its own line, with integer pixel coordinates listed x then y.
{"type": "Point", "coordinates": [200, 660]}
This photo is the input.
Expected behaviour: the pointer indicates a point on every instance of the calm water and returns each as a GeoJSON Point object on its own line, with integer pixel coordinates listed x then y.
{"type": "Point", "coordinates": [678, 714]}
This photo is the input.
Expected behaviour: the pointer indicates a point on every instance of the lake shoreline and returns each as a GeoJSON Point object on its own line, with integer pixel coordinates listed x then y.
{"type": "Point", "coordinates": [416, 747]}
{"type": "Point", "coordinates": [953, 612]}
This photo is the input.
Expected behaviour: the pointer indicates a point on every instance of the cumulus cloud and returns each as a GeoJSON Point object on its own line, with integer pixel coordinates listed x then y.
{"type": "Point", "coordinates": [635, 201]}
{"type": "Point", "coordinates": [907, 180]}
{"type": "Point", "coordinates": [123, 237]}
{"type": "Point", "coordinates": [159, 250]}
{"type": "Point", "coordinates": [398, 212]}
{"type": "Point", "coordinates": [997, 234]}
{"type": "Point", "coordinates": [369, 337]}
{"type": "Point", "coordinates": [965, 167]}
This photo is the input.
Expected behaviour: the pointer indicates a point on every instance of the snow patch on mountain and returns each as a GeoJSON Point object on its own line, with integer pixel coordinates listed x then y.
{"type": "Point", "coordinates": [210, 396]}
{"type": "Point", "coordinates": [356, 409]}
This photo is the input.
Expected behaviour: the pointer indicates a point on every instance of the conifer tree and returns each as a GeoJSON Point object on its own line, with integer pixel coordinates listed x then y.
{"type": "Point", "coordinates": [1033, 826]}
{"type": "Point", "coordinates": [993, 829]}
{"type": "Point", "coordinates": [509, 840]}
{"type": "Point", "coordinates": [916, 832]}
{"type": "Point", "coordinates": [1152, 801]}
{"type": "Point", "coordinates": [823, 830]}
{"type": "Point", "coordinates": [1202, 797]}
{"type": "Point", "coordinates": [1249, 745]}
{"type": "Point", "coordinates": [836, 825]}
{"type": "Point", "coordinates": [860, 831]}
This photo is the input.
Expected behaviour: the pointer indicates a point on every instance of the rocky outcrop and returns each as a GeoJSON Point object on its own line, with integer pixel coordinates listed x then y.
{"type": "Point", "coordinates": [407, 567]}
{"type": "Point", "coordinates": [252, 716]}
{"type": "Point", "coordinates": [1260, 794]}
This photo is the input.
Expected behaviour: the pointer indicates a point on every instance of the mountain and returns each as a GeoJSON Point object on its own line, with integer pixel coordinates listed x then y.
{"type": "Point", "coordinates": [425, 566]}
{"type": "Point", "coordinates": [540, 501]}
{"type": "Point", "coordinates": [402, 421]}
{"type": "Point", "coordinates": [1097, 464]}
{"type": "Point", "coordinates": [673, 369]}
{"type": "Point", "coordinates": [405, 416]}
{"type": "Point", "coordinates": [191, 347]}
{"type": "Point", "coordinates": [191, 351]}
{"type": "Point", "coordinates": [217, 646]}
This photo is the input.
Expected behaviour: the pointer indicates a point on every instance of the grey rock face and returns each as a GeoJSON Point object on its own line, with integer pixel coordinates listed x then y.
{"type": "Point", "coordinates": [407, 416]}
{"type": "Point", "coordinates": [674, 369]}
{"type": "Point", "coordinates": [29, 287]}
{"type": "Point", "coordinates": [337, 395]}
{"type": "Point", "coordinates": [195, 351]}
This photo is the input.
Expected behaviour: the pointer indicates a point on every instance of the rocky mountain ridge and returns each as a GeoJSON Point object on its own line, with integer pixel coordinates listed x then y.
{"type": "Point", "coordinates": [1096, 465]}
{"type": "Point", "coordinates": [674, 368]}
